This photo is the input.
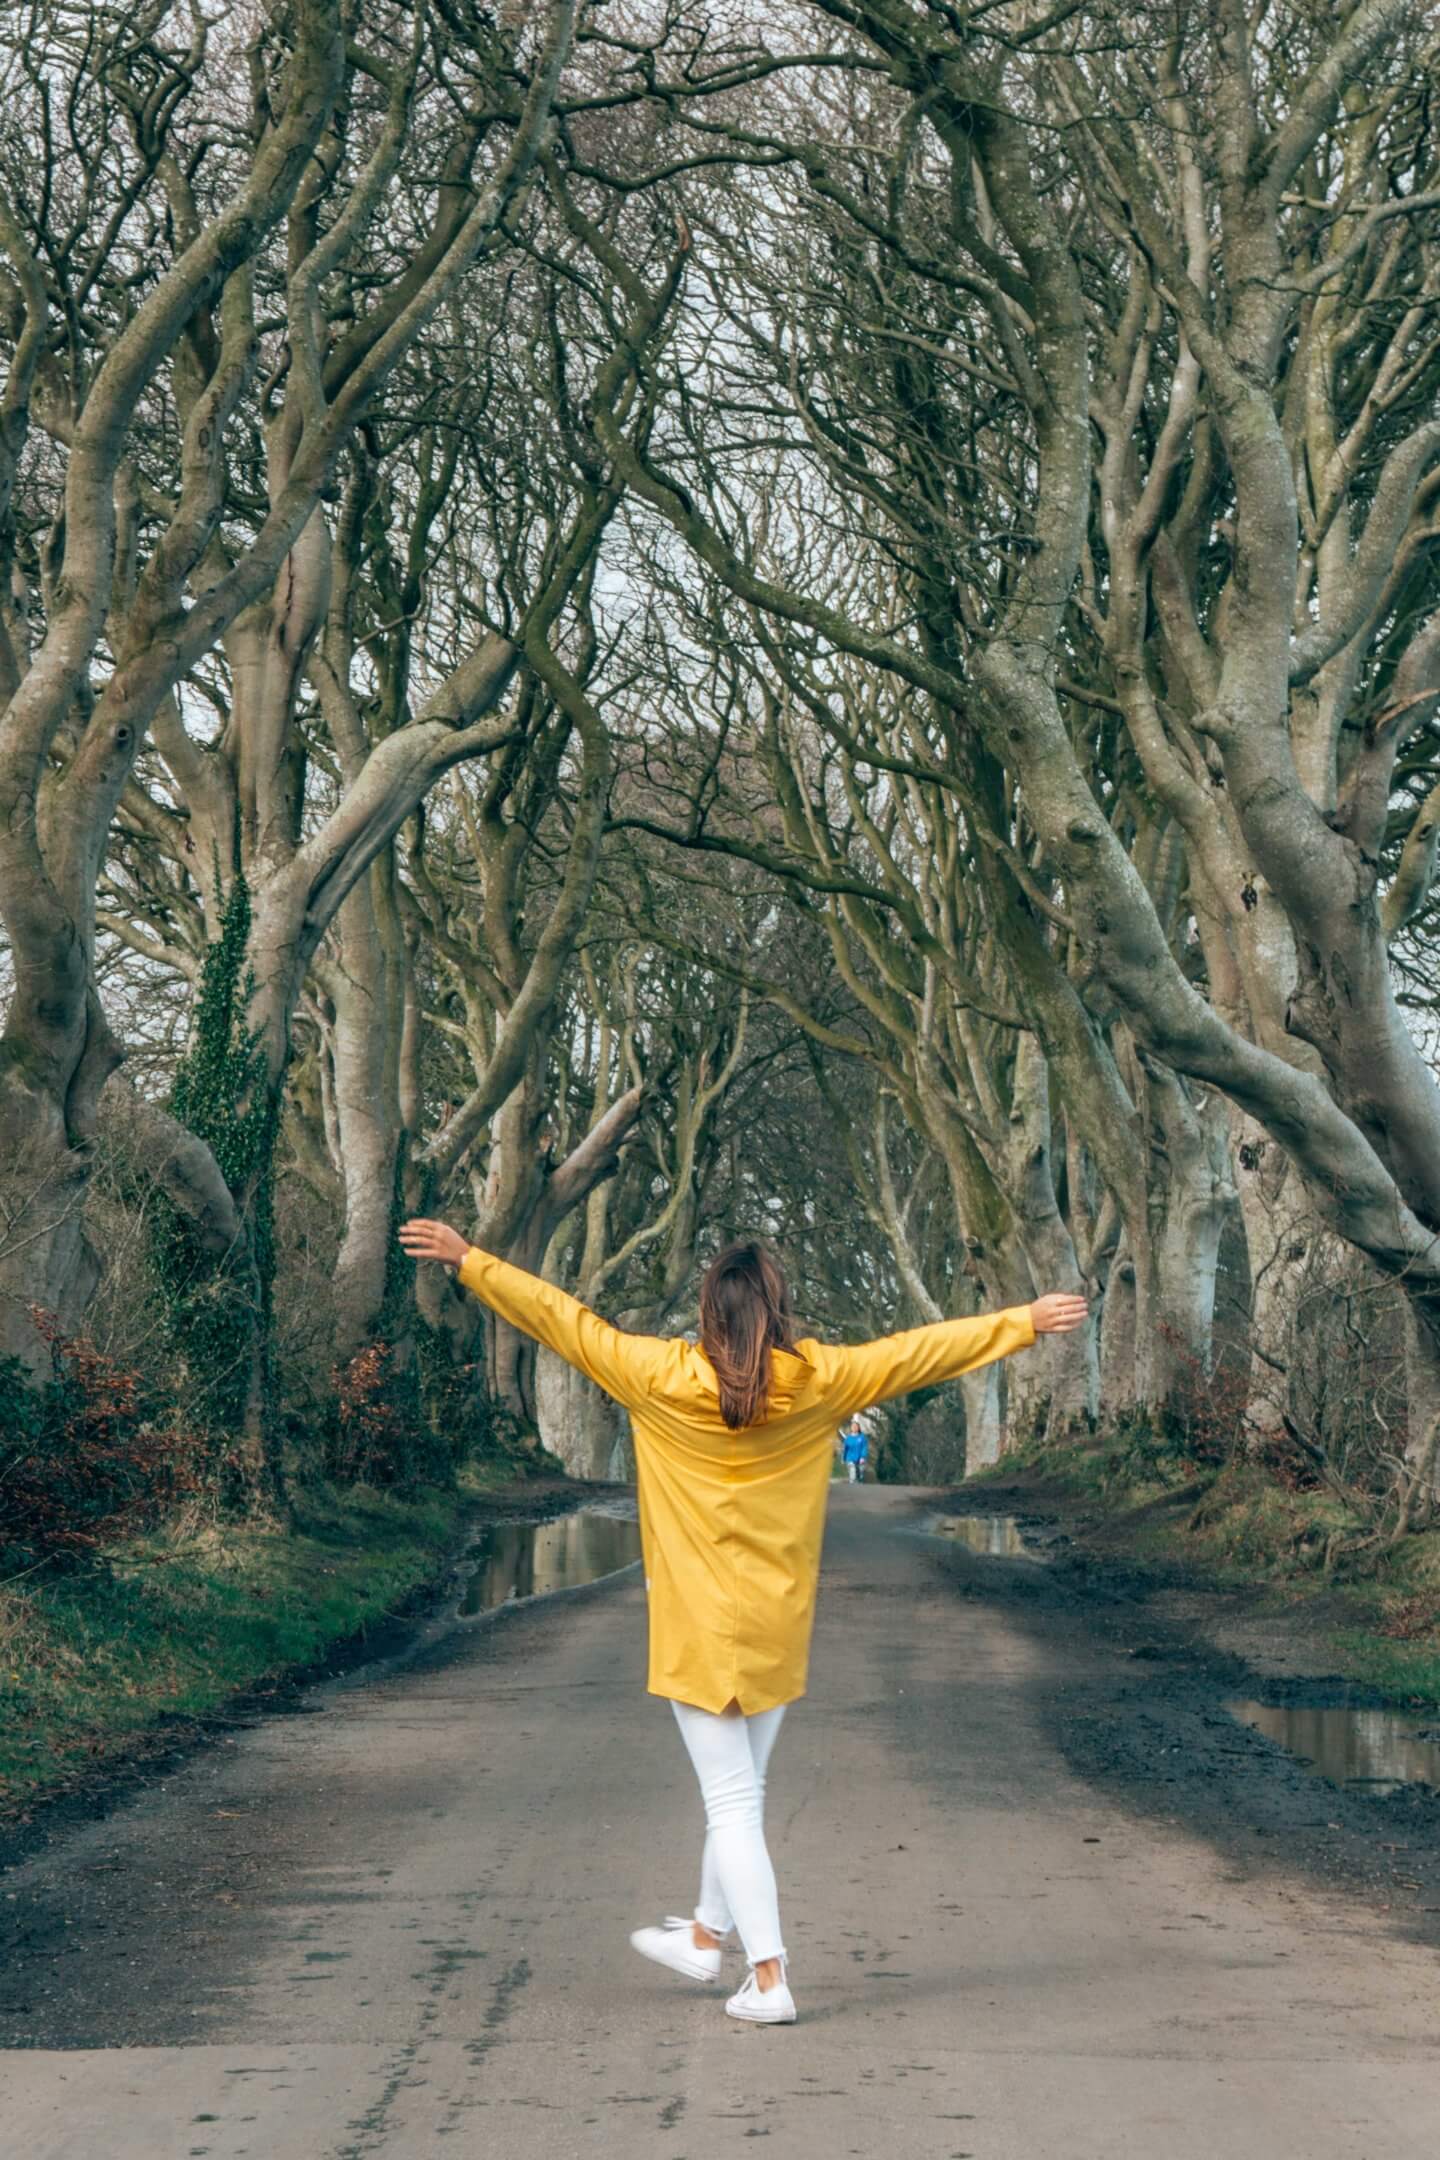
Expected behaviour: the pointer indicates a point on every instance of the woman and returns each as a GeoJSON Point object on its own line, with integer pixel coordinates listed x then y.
{"type": "Point", "coordinates": [855, 1447]}
{"type": "Point", "coordinates": [733, 1447]}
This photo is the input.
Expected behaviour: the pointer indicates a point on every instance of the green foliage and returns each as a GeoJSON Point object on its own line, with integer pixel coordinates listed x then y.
{"type": "Point", "coordinates": [216, 1315]}
{"type": "Point", "coordinates": [378, 1431]}
{"type": "Point", "coordinates": [459, 1411]}
{"type": "Point", "coordinates": [21, 1418]}
{"type": "Point", "coordinates": [218, 1082]}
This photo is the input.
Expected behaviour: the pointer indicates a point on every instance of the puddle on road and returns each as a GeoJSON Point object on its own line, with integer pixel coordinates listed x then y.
{"type": "Point", "coordinates": [1369, 1750]}
{"type": "Point", "coordinates": [998, 1535]}
{"type": "Point", "coordinates": [520, 1560]}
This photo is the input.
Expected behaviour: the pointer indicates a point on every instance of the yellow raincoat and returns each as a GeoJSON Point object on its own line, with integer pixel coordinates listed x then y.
{"type": "Point", "coordinates": [731, 1522]}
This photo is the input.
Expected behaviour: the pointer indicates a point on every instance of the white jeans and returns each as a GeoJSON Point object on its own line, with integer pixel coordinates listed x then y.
{"type": "Point", "coordinates": [737, 1882]}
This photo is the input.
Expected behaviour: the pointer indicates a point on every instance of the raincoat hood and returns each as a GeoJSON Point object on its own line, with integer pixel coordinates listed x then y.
{"type": "Point", "coordinates": [687, 1383]}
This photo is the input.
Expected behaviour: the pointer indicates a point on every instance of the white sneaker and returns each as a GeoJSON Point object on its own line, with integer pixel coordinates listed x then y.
{"type": "Point", "coordinates": [763, 2006]}
{"type": "Point", "coordinates": [674, 1945]}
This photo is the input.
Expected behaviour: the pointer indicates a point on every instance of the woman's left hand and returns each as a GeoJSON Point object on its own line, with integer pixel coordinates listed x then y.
{"type": "Point", "coordinates": [426, 1240]}
{"type": "Point", "coordinates": [1057, 1312]}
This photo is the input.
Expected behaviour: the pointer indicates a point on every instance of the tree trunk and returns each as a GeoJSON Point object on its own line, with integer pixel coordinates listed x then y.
{"type": "Point", "coordinates": [1176, 1263]}
{"type": "Point", "coordinates": [984, 1428]}
{"type": "Point", "coordinates": [576, 1421]}
{"type": "Point", "coordinates": [1281, 1233]}
{"type": "Point", "coordinates": [46, 1154]}
{"type": "Point", "coordinates": [367, 985]}
{"type": "Point", "coordinates": [1422, 1390]}
{"type": "Point", "coordinates": [524, 1203]}
{"type": "Point", "coordinates": [1060, 1387]}
{"type": "Point", "coordinates": [1120, 1373]}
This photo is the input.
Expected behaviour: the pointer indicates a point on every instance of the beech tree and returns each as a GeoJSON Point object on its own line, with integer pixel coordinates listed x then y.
{"type": "Point", "coordinates": [1107, 342]}
{"type": "Point", "coordinates": [185, 494]}
{"type": "Point", "coordinates": [634, 629]}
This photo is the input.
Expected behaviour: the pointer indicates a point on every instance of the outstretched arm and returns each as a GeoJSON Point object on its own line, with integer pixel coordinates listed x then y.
{"type": "Point", "coordinates": [920, 1357]}
{"type": "Point", "coordinates": [621, 1364]}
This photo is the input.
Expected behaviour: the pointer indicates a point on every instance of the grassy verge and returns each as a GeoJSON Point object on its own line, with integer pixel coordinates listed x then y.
{"type": "Point", "coordinates": [1375, 1613]}
{"type": "Point", "coordinates": [174, 1624]}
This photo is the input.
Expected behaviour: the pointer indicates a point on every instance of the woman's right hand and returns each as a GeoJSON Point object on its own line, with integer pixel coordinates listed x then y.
{"type": "Point", "coordinates": [1057, 1312]}
{"type": "Point", "coordinates": [426, 1240]}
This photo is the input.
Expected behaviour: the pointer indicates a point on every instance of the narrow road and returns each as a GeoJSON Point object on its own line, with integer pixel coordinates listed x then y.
{"type": "Point", "coordinates": [395, 1925]}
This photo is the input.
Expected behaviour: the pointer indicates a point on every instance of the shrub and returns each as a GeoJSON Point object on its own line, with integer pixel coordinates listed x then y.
{"type": "Point", "coordinates": [378, 1434]}
{"type": "Point", "coordinates": [371, 1439]}
{"type": "Point", "coordinates": [86, 1459]}
{"type": "Point", "coordinates": [468, 1424]}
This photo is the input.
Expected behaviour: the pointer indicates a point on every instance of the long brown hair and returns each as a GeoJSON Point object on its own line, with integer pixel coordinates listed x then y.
{"type": "Point", "coordinates": [744, 1315]}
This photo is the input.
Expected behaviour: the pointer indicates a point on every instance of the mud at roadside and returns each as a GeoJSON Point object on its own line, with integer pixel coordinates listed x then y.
{"type": "Point", "coordinates": [1143, 1718]}
{"type": "Point", "coordinates": [389, 1639]}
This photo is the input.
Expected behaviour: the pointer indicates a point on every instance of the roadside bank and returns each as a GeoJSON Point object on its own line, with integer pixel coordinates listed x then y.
{"type": "Point", "coordinates": [108, 1671]}
{"type": "Point", "coordinates": [1240, 1558]}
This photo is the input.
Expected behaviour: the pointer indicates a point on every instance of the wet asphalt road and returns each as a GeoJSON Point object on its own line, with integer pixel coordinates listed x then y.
{"type": "Point", "coordinates": [395, 1925]}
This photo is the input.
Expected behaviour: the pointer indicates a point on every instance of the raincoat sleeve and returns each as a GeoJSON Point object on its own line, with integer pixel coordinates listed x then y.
{"type": "Point", "coordinates": [893, 1365]}
{"type": "Point", "coordinates": [621, 1364]}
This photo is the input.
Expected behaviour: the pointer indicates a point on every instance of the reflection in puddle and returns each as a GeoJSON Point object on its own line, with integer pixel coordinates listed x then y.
{"type": "Point", "coordinates": [1370, 1748]}
{"type": "Point", "coordinates": [518, 1560]}
{"type": "Point", "coordinates": [995, 1534]}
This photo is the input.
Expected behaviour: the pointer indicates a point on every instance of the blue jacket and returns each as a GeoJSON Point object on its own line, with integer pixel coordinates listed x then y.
{"type": "Point", "coordinates": [857, 1447]}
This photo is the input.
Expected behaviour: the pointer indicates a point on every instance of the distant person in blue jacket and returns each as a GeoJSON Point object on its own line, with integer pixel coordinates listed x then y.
{"type": "Point", "coordinates": [855, 1449]}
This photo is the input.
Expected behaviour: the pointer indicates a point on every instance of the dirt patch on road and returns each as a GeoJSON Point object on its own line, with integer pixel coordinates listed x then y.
{"type": "Point", "coordinates": [1147, 1659]}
